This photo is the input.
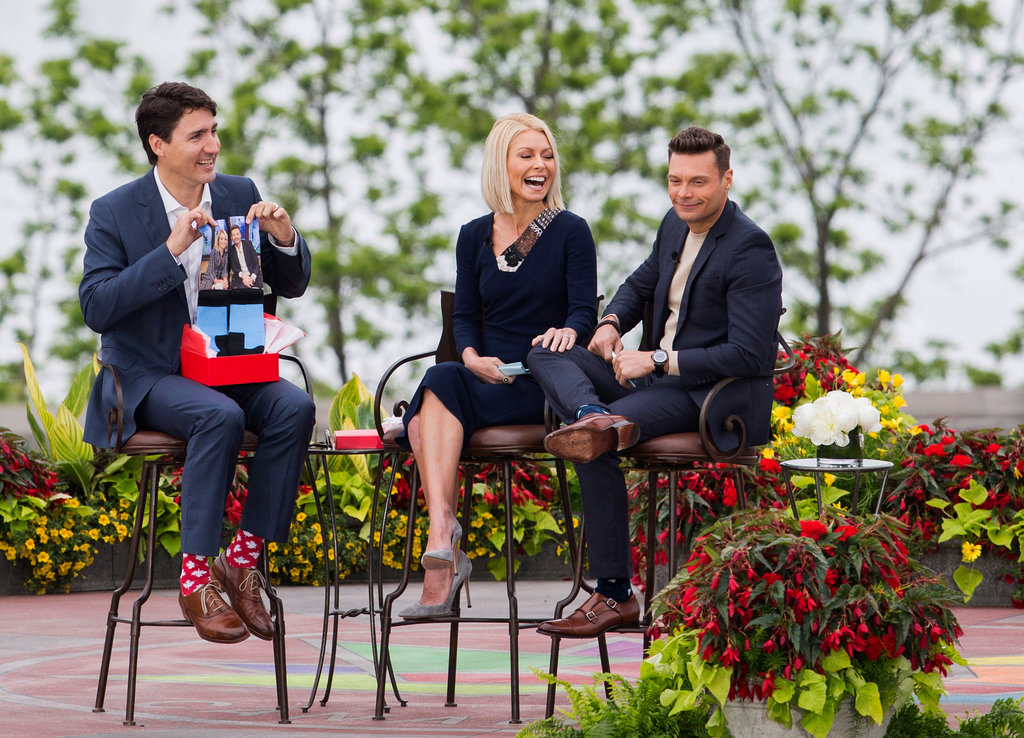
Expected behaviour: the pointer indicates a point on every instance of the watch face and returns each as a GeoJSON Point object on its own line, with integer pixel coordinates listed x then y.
{"type": "Point", "coordinates": [660, 356]}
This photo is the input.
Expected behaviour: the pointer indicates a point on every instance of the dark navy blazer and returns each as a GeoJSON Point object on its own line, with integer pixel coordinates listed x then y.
{"type": "Point", "coordinates": [727, 318]}
{"type": "Point", "coordinates": [133, 291]}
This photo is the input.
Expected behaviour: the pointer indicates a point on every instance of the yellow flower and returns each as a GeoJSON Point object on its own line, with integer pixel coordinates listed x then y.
{"type": "Point", "coordinates": [781, 412]}
{"type": "Point", "coordinates": [43, 556]}
{"type": "Point", "coordinates": [104, 520]}
{"type": "Point", "coordinates": [897, 380]}
{"type": "Point", "coordinates": [970, 551]}
{"type": "Point", "coordinates": [898, 402]}
{"type": "Point", "coordinates": [125, 503]}
{"type": "Point", "coordinates": [300, 517]}
{"type": "Point", "coordinates": [30, 544]}
{"type": "Point", "coordinates": [768, 453]}
{"type": "Point", "coordinates": [853, 378]}
{"type": "Point", "coordinates": [884, 377]}
{"type": "Point", "coordinates": [830, 479]}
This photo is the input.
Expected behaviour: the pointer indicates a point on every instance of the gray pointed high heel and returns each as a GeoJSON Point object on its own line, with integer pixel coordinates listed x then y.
{"type": "Point", "coordinates": [445, 609]}
{"type": "Point", "coordinates": [445, 557]}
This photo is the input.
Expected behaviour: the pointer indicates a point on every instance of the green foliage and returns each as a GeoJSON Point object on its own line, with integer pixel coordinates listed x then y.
{"type": "Point", "coordinates": [911, 722]}
{"type": "Point", "coordinates": [60, 435]}
{"type": "Point", "coordinates": [72, 110]}
{"type": "Point", "coordinates": [843, 130]}
{"type": "Point", "coordinates": [633, 710]}
{"type": "Point", "coordinates": [1005, 720]}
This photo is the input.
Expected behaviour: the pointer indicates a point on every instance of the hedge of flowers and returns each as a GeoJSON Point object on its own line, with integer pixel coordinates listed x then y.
{"type": "Point", "coordinates": [941, 478]}
{"type": "Point", "coordinates": [48, 534]}
{"type": "Point", "coordinates": [960, 486]}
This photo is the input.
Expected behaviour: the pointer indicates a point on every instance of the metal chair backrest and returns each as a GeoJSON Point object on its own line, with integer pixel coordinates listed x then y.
{"type": "Point", "coordinates": [446, 347]}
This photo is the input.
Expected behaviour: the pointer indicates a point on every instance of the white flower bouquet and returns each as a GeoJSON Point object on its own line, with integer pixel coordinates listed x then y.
{"type": "Point", "coordinates": [832, 418]}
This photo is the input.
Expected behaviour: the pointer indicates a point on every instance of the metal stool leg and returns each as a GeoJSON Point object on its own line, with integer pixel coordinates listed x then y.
{"type": "Point", "coordinates": [280, 662]}
{"type": "Point", "coordinates": [112, 615]}
{"type": "Point", "coordinates": [453, 628]}
{"type": "Point", "coordinates": [147, 590]}
{"type": "Point", "coordinates": [513, 598]}
{"type": "Point", "coordinates": [384, 665]}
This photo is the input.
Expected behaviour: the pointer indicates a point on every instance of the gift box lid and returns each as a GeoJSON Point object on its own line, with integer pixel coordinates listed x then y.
{"type": "Point", "coordinates": [357, 439]}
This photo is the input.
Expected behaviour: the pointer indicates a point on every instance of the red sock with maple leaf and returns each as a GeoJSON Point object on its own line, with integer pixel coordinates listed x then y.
{"type": "Point", "coordinates": [195, 572]}
{"type": "Point", "coordinates": [244, 551]}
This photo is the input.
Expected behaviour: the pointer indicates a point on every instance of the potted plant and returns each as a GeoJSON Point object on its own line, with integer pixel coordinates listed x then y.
{"type": "Point", "coordinates": [812, 621]}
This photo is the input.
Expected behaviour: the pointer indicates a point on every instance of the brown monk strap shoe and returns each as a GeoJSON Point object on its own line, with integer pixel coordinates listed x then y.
{"type": "Point", "coordinates": [591, 436]}
{"type": "Point", "coordinates": [214, 619]}
{"type": "Point", "coordinates": [594, 617]}
{"type": "Point", "coordinates": [243, 588]}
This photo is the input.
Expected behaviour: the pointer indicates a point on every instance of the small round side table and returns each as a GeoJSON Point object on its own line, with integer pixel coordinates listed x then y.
{"type": "Point", "coordinates": [818, 467]}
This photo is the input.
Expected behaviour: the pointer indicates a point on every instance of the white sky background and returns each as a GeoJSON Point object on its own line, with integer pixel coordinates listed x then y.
{"type": "Point", "coordinates": [967, 297]}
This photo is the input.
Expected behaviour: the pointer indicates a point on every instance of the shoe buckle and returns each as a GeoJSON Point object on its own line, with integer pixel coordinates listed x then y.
{"type": "Point", "coordinates": [590, 615]}
{"type": "Point", "coordinates": [611, 603]}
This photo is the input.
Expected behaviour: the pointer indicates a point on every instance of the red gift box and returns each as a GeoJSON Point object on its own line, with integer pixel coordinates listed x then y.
{"type": "Point", "coordinates": [218, 370]}
{"type": "Point", "coordinates": [357, 439]}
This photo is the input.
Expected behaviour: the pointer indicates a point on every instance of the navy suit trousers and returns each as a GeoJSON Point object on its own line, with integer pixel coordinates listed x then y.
{"type": "Point", "coordinates": [212, 420]}
{"type": "Point", "coordinates": [658, 405]}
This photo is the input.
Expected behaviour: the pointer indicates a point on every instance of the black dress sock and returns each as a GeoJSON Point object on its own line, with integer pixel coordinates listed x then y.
{"type": "Point", "coordinates": [618, 589]}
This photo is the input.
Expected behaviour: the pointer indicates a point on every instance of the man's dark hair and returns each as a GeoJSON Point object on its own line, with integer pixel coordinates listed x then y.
{"type": "Point", "coordinates": [161, 108]}
{"type": "Point", "coordinates": [695, 140]}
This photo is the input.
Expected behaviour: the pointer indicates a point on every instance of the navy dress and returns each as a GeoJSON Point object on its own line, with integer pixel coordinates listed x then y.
{"type": "Point", "coordinates": [499, 314]}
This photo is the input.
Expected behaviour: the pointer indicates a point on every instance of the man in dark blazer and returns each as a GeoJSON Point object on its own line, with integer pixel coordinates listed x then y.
{"type": "Point", "coordinates": [139, 288]}
{"type": "Point", "coordinates": [715, 284]}
{"type": "Point", "coordinates": [244, 263]}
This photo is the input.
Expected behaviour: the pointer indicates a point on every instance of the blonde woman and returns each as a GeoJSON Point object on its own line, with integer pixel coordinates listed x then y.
{"type": "Point", "coordinates": [526, 275]}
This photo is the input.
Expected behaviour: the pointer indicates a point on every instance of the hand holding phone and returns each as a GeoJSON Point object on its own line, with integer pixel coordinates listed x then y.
{"type": "Point", "coordinates": [511, 370]}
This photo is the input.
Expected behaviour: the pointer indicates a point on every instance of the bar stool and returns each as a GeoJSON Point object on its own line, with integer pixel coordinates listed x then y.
{"type": "Point", "coordinates": [503, 446]}
{"type": "Point", "coordinates": [162, 451]}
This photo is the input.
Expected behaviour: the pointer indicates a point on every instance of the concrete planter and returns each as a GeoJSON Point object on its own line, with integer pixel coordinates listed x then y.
{"type": "Point", "coordinates": [992, 592]}
{"type": "Point", "coordinates": [750, 720]}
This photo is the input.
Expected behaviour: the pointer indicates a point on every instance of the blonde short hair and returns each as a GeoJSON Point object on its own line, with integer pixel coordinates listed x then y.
{"type": "Point", "coordinates": [494, 180]}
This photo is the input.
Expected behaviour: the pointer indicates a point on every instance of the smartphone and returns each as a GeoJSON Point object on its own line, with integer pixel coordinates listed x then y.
{"type": "Point", "coordinates": [511, 370]}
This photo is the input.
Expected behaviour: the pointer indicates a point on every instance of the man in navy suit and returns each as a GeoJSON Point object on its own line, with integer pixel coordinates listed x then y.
{"type": "Point", "coordinates": [715, 284]}
{"type": "Point", "coordinates": [139, 288]}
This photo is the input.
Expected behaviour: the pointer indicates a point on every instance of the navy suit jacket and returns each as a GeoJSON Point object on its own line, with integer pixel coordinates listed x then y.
{"type": "Point", "coordinates": [133, 291]}
{"type": "Point", "coordinates": [728, 316]}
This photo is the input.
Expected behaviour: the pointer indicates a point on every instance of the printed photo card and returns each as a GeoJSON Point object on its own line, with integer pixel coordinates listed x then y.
{"type": "Point", "coordinates": [231, 255]}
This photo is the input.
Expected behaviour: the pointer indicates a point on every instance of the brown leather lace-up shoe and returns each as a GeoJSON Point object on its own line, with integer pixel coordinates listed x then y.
{"type": "Point", "coordinates": [594, 617]}
{"type": "Point", "coordinates": [214, 619]}
{"type": "Point", "coordinates": [591, 436]}
{"type": "Point", "coordinates": [243, 588]}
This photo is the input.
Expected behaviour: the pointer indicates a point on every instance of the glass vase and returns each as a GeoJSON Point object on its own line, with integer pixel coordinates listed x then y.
{"type": "Point", "coordinates": [852, 452]}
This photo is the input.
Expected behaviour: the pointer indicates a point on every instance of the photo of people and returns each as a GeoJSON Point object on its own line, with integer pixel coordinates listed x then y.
{"type": "Point", "coordinates": [243, 256]}
{"type": "Point", "coordinates": [215, 258]}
